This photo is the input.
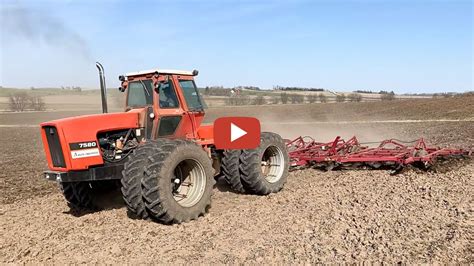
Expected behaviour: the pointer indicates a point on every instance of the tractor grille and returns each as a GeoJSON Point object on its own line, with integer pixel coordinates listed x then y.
{"type": "Point", "coordinates": [54, 145]}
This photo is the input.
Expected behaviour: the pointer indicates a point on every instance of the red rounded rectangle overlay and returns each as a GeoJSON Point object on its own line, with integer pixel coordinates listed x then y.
{"type": "Point", "coordinates": [232, 133]}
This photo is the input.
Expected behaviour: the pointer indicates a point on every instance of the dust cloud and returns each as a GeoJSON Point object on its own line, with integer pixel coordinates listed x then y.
{"type": "Point", "coordinates": [37, 27]}
{"type": "Point", "coordinates": [325, 128]}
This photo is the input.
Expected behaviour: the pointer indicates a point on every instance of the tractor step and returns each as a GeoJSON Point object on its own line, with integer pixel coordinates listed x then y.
{"type": "Point", "coordinates": [107, 172]}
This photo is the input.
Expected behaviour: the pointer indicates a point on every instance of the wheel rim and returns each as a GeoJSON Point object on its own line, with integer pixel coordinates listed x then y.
{"type": "Point", "coordinates": [272, 164]}
{"type": "Point", "coordinates": [188, 182]}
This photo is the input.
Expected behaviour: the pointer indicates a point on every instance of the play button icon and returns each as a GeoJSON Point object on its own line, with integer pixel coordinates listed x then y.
{"type": "Point", "coordinates": [236, 133]}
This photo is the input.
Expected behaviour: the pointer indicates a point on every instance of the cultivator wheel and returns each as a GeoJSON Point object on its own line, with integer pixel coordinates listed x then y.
{"type": "Point", "coordinates": [230, 169]}
{"type": "Point", "coordinates": [264, 170]}
{"type": "Point", "coordinates": [177, 182]}
{"type": "Point", "coordinates": [132, 175]}
{"type": "Point", "coordinates": [79, 195]}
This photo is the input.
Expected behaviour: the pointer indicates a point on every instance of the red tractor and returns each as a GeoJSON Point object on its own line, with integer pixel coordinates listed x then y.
{"type": "Point", "coordinates": [163, 156]}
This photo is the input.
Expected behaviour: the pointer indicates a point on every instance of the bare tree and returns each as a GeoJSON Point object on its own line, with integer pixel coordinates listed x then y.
{"type": "Point", "coordinates": [259, 100]}
{"type": "Point", "coordinates": [241, 99]}
{"type": "Point", "coordinates": [297, 98]}
{"type": "Point", "coordinates": [340, 98]}
{"type": "Point", "coordinates": [355, 97]}
{"type": "Point", "coordinates": [284, 98]}
{"type": "Point", "coordinates": [18, 101]}
{"type": "Point", "coordinates": [312, 98]}
{"type": "Point", "coordinates": [37, 103]}
{"type": "Point", "coordinates": [390, 96]}
{"type": "Point", "coordinates": [322, 98]}
{"type": "Point", "coordinates": [275, 99]}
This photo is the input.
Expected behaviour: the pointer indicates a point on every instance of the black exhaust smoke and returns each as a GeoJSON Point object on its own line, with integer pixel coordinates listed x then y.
{"type": "Point", "coordinates": [103, 88]}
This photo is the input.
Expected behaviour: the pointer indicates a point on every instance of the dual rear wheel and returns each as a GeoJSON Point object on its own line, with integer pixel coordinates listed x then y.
{"type": "Point", "coordinates": [259, 171]}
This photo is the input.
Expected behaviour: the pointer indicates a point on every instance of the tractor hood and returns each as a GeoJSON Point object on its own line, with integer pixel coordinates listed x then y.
{"type": "Point", "coordinates": [61, 136]}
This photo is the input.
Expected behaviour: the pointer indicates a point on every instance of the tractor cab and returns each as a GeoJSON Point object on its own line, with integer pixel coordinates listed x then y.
{"type": "Point", "coordinates": [168, 100]}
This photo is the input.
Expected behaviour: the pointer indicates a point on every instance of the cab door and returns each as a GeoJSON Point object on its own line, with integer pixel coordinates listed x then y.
{"type": "Point", "coordinates": [168, 109]}
{"type": "Point", "coordinates": [179, 108]}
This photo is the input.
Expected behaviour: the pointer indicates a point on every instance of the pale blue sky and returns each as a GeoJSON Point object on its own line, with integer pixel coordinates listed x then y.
{"type": "Point", "coordinates": [405, 46]}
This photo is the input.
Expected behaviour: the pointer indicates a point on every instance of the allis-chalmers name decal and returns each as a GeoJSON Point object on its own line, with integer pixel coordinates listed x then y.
{"type": "Point", "coordinates": [84, 149]}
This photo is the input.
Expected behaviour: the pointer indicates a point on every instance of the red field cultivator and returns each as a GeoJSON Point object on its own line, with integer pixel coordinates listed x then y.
{"type": "Point", "coordinates": [391, 154]}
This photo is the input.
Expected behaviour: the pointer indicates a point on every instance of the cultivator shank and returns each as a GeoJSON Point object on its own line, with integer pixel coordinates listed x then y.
{"type": "Point", "coordinates": [392, 153]}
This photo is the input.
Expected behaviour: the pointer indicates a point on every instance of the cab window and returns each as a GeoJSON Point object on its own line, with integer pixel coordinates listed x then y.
{"type": "Point", "coordinates": [168, 97]}
{"type": "Point", "coordinates": [191, 95]}
{"type": "Point", "coordinates": [140, 93]}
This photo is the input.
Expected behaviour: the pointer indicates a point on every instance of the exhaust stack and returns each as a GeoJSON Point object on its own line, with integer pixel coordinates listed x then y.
{"type": "Point", "coordinates": [103, 88]}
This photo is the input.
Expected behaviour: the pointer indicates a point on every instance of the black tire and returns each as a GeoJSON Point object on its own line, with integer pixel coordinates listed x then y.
{"type": "Point", "coordinates": [79, 195]}
{"type": "Point", "coordinates": [272, 157]}
{"type": "Point", "coordinates": [132, 174]}
{"type": "Point", "coordinates": [165, 166]}
{"type": "Point", "coordinates": [230, 169]}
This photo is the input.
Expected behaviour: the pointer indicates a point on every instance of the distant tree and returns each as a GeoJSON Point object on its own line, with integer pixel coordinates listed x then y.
{"type": "Point", "coordinates": [297, 98]}
{"type": "Point", "coordinates": [312, 98]}
{"type": "Point", "coordinates": [387, 96]}
{"type": "Point", "coordinates": [355, 97]}
{"type": "Point", "coordinates": [322, 98]}
{"type": "Point", "coordinates": [284, 98]}
{"type": "Point", "coordinates": [240, 99]}
{"type": "Point", "coordinates": [275, 99]}
{"type": "Point", "coordinates": [206, 90]}
{"type": "Point", "coordinates": [37, 103]}
{"type": "Point", "coordinates": [363, 91]}
{"type": "Point", "coordinates": [340, 98]}
{"type": "Point", "coordinates": [18, 102]}
{"type": "Point", "coordinates": [259, 100]}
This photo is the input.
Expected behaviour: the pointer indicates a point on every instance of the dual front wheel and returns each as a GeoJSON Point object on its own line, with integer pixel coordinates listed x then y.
{"type": "Point", "coordinates": [172, 184]}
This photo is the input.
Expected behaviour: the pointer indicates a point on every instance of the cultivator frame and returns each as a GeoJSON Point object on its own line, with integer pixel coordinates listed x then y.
{"type": "Point", "coordinates": [392, 153]}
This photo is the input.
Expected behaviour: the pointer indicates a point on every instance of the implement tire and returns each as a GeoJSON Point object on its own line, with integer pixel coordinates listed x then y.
{"type": "Point", "coordinates": [79, 195]}
{"type": "Point", "coordinates": [264, 170]}
{"type": "Point", "coordinates": [178, 181]}
{"type": "Point", "coordinates": [230, 169]}
{"type": "Point", "coordinates": [132, 174]}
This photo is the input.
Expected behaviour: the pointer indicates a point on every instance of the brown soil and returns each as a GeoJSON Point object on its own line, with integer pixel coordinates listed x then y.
{"type": "Point", "coordinates": [319, 217]}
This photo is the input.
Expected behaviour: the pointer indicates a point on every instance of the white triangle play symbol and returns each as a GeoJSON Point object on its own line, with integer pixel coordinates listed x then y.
{"type": "Point", "coordinates": [236, 132]}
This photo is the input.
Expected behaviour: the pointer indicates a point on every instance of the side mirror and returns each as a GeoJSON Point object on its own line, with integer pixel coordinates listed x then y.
{"type": "Point", "coordinates": [123, 86]}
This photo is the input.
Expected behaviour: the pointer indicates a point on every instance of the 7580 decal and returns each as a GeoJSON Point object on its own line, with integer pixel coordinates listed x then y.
{"type": "Point", "coordinates": [82, 145]}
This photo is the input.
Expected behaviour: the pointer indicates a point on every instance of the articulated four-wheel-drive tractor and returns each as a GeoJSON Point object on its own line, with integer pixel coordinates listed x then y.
{"type": "Point", "coordinates": [166, 160]}
{"type": "Point", "coordinates": [158, 150]}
